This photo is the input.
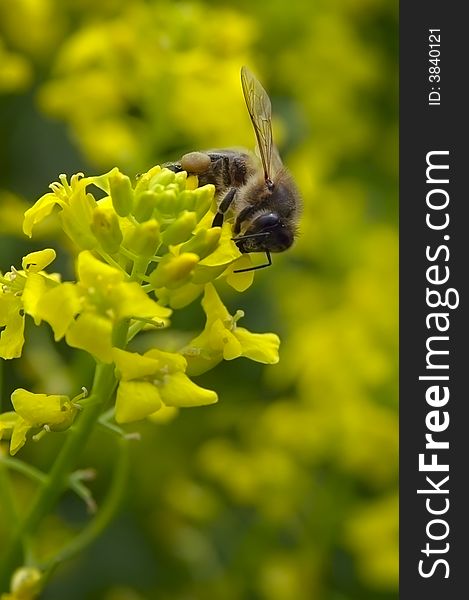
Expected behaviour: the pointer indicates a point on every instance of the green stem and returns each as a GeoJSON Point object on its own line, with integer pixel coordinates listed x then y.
{"type": "Point", "coordinates": [7, 497]}
{"type": "Point", "coordinates": [139, 269]}
{"type": "Point", "coordinates": [20, 467]}
{"type": "Point", "coordinates": [57, 479]}
{"type": "Point", "coordinates": [110, 261]}
{"type": "Point", "coordinates": [105, 514]}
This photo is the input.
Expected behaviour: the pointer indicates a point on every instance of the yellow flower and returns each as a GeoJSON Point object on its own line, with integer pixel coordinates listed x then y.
{"type": "Point", "coordinates": [33, 411]}
{"type": "Point", "coordinates": [100, 299]}
{"type": "Point", "coordinates": [19, 294]}
{"type": "Point", "coordinates": [154, 380]}
{"type": "Point", "coordinates": [222, 339]}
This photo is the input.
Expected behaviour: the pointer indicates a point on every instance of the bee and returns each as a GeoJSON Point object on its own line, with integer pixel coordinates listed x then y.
{"type": "Point", "coordinates": [257, 191]}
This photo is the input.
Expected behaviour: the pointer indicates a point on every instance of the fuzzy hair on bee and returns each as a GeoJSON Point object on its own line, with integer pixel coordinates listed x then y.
{"type": "Point", "coordinates": [257, 192]}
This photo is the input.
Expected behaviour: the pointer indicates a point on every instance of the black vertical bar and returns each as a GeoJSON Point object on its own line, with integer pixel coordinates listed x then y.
{"type": "Point", "coordinates": [434, 556]}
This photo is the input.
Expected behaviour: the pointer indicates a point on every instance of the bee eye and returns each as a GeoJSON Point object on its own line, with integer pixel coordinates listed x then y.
{"type": "Point", "coordinates": [267, 221]}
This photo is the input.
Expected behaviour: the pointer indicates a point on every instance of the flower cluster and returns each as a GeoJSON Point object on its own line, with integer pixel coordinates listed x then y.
{"type": "Point", "coordinates": [144, 250]}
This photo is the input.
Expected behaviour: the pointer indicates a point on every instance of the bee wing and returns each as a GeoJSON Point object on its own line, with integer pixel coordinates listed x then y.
{"type": "Point", "coordinates": [260, 111]}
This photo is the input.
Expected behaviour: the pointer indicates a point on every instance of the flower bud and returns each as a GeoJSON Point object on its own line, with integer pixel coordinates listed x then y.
{"type": "Point", "coordinates": [203, 242]}
{"type": "Point", "coordinates": [180, 229]}
{"type": "Point", "coordinates": [121, 193]}
{"type": "Point", "coordinates": [181, 296]}
{"type": "Point", "coordinates": [144, 239]}
{"type": "Point", "coordinates": [164, 177]}
{"type": "Point", "coordinates": [165, 203]}
{"type": "Point", "coordinates": [185, 201]}
{"type": "Point", "coordinates": [181, 179]}
{"type": "Point", "coordinates": [145, 203]}
{"type": "Point", "coordinates": [173, 271]}
{"type": "Point", "coordinates": [204, 196]}
{"type": "Point", "coordinates": [25, 583]}
{"type": "Point", "coordinates": [143, 180]}
{"type": "Point", "coordinates": [105, 226]}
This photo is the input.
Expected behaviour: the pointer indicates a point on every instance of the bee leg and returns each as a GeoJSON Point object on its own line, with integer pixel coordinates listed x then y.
{"type": "Point", "coordinates": [267, 264]}
{"type": "Point", "coordinates": [223, 207]}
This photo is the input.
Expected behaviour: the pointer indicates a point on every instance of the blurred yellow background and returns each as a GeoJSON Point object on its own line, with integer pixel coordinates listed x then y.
{"type": "Point", "coordinates": [287, 488]}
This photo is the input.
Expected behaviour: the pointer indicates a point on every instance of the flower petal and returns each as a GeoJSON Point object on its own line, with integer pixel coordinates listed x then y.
{"type": "Point", "coordinates": [170, 362]}
{"type": "Point", "coordinates": [222, 339]}
{"type": "Point", "coordinates": [37, 261]}
{"type": "Point", "coordinates": [240, 281]}
{"type": "Point", "coordinates": [41, 209]}
{"type": "Point", "coordinates": [134, 366]}
{"type": "Point", "coordinates": [213, 306]}
{"type": "Point", "coordinates": [93, 273]}
{"type": "Point", "coordinates": [261, 347]}
{"type": "Point", "coordinates": [200, 361]}
{"type": "Point", "coordinates": [93, 333]}
{"type": "Point", "coordinates": [136, 400]}
{"type": "Point", "coordinates": [129, 300]}
{"type": "Point", "coordinates": [58, 306]}
{"type": "Point", "coordinates": [179, 390]}
{"type": "Point", "coordinates": [11, 326]}
{"type": "Point", "coordinates": [18, 436]}
{"type": "Point", "coordinates": [164, 415]}
{"type": "Point", "coordinates": [7, 423]}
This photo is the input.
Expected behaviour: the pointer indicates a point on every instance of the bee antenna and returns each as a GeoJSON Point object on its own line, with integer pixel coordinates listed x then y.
{"type": "Point", "coordinates": [250, 235]}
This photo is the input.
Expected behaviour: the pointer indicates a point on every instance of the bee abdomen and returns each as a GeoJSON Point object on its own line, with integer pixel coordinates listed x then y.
{"type": "Point", "coordinates": [228, 167]}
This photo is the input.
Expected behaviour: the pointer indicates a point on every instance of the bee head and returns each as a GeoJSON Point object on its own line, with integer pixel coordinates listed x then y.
{"type": "Point", "coordinates": [265, 233]}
